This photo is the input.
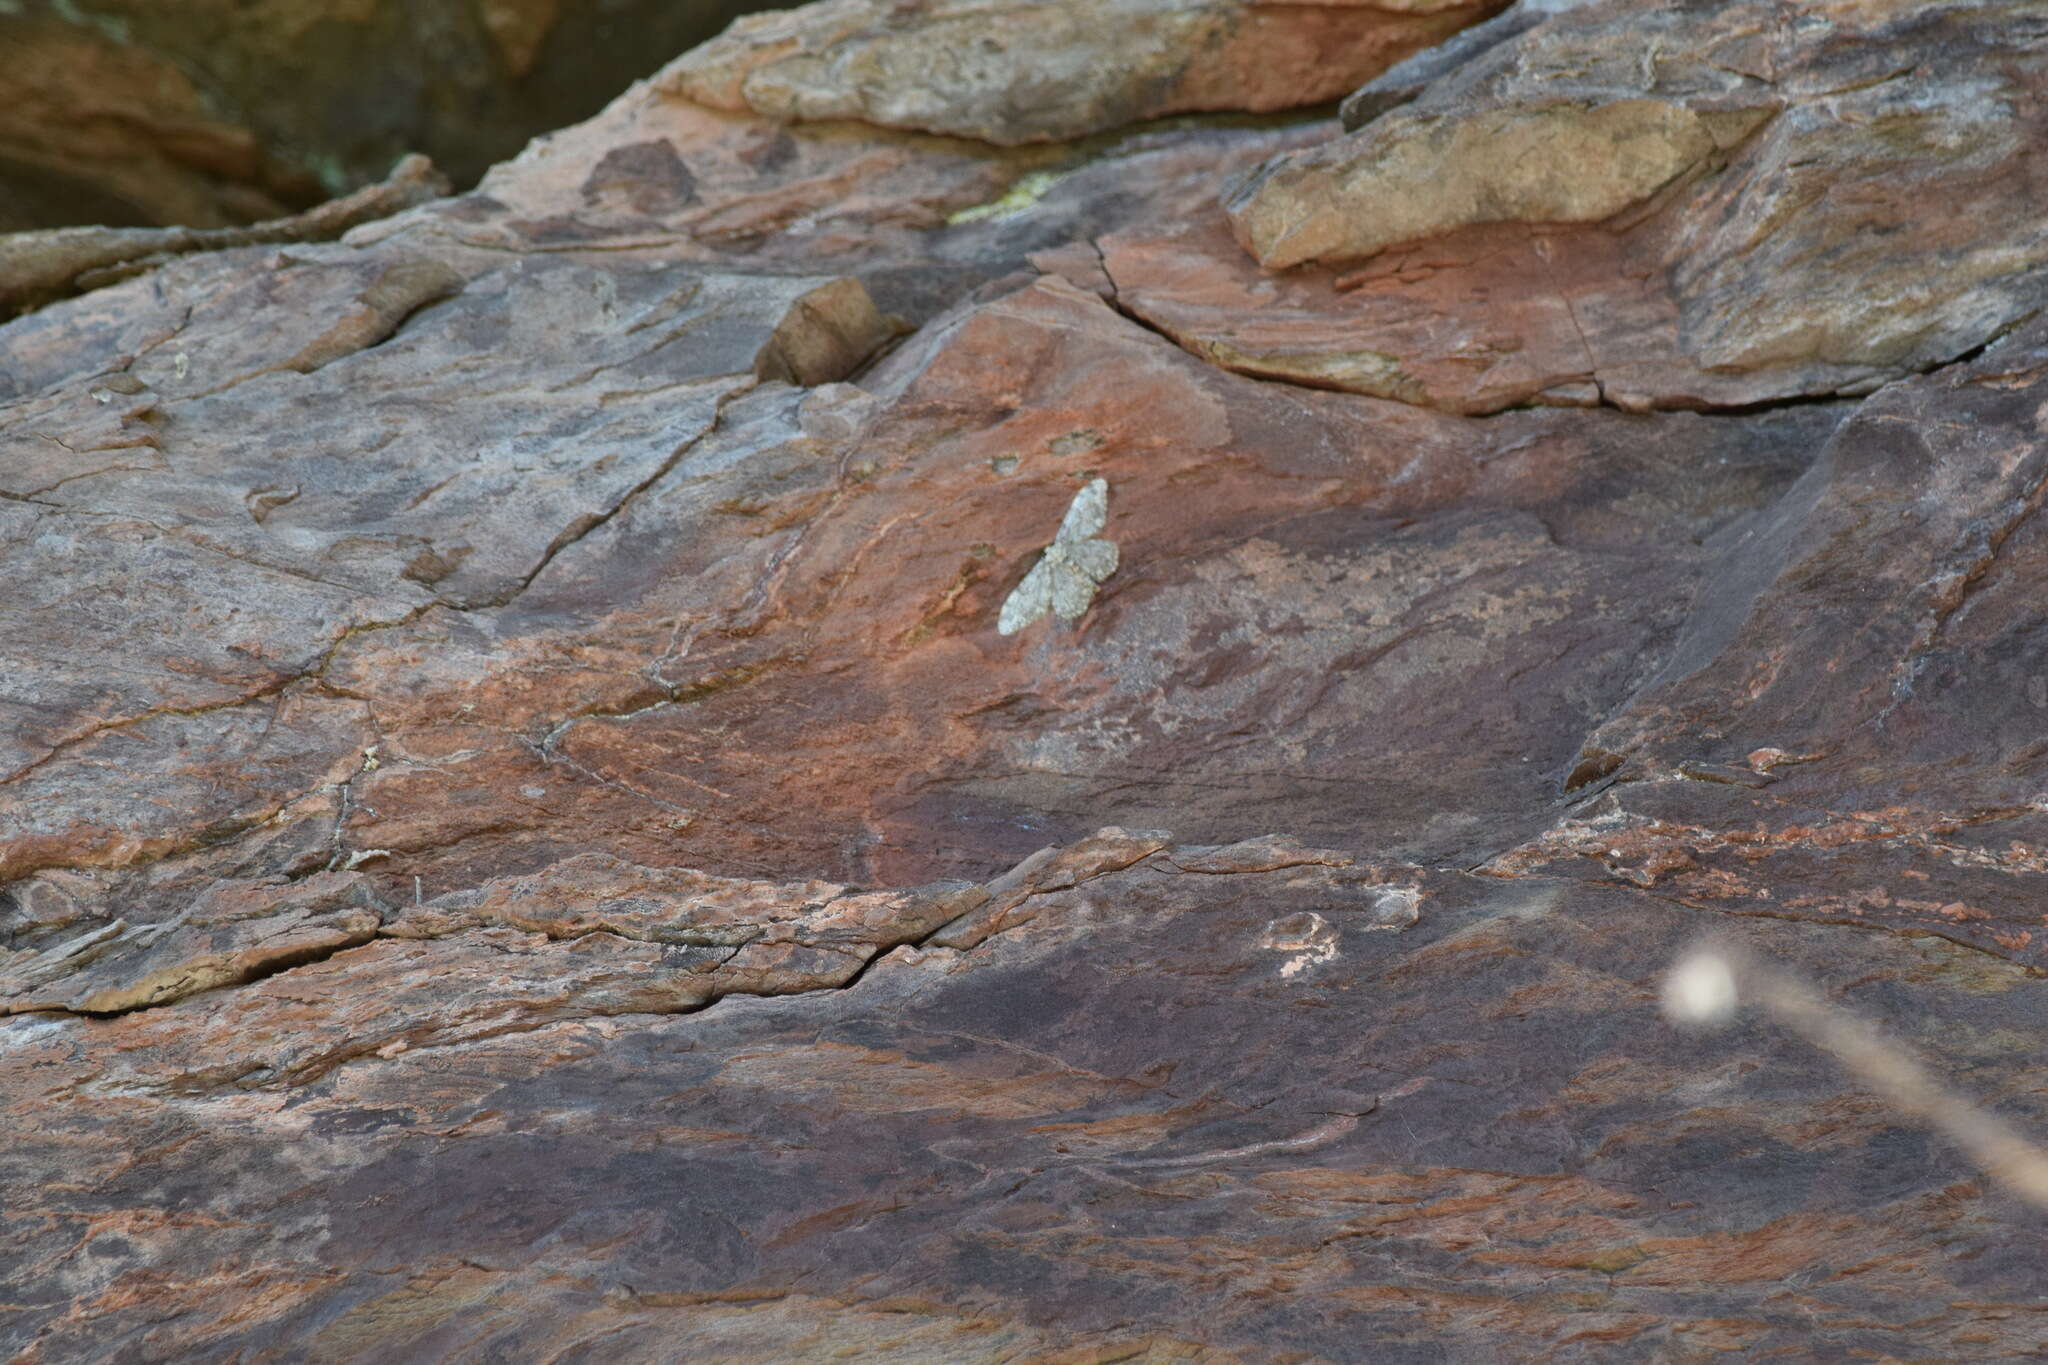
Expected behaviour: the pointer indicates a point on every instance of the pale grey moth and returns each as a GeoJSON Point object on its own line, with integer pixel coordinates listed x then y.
{"type": "Point", "coordinates": [1064, 580]}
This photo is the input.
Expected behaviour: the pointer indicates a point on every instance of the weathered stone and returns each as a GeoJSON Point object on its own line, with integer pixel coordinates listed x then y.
{"type": "Point", "coordinates": [1868, 649]}
{"type": "Point", "coordinates": [922, 221]}
{"type": "Point", "coordinates": [1018, 73]}
{"type": "Point", "coordinates": [1426, 173]}
{"type": "Point", "coordinates": [1040, 1137]}
{"type": "Point", "coordinates": [816, 607]}
{"type": "Point", "coordinates": [158, 466]}
{"type": "Point", "coordinates": [36, 267]}
{"type": "Point", "coordinates": [1457, 328]}
{"type": "Point", "coordinates": [1407, 79]}
{"type": "Point", "coordinates": [526, 839]}
{"type": "Point", "coordinates": [1783, 161]}
{"type": "Point", "coordinates": [235, 933]}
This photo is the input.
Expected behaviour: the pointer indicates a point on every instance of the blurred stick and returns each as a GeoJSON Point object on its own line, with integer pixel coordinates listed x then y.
{"type": "Point", "coordinates": [1713, 980]}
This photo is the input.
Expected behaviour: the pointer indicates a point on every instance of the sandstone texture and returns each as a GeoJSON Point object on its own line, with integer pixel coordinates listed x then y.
{"type": "Point", "coordinates": [781, 735]}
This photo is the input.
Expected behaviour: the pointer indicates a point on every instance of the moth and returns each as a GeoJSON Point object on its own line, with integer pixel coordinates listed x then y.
{"type": "Point", "coordinates": [1066, 576]}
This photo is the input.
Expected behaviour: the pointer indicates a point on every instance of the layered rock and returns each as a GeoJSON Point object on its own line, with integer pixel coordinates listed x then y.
{"type": "Point", "coordinates": [1761, 173]}
{"type": "Point", "coordinates": [528, 830]}
{"type": "Point", "coordinates": [1869, 642]}
{"type": "Point", "coordinates": [39, 267]}
{"type": "Point", "coordinates": [1010, 73]}
{"type": "Point", "coordinates": [1217, 1076]}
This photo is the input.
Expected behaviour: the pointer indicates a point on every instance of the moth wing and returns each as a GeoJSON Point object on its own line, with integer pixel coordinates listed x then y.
{"type": "Point", "coordinates": [1087, 514]}
{"type": "Point", "coordinates": [1072, 591]}
{"type": "Point", "coordinates": [1094, 559]}
{"type": "Point", "coordinates": [1030, 600]}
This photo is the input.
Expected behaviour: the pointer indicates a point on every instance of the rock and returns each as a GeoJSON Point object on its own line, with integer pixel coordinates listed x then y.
{"type": "Point", "coordinates": [1408, 78]}
{"type": "Point", "coordinates": [522, 834]}
{"type": "Point", "coordinates": [209, 114]}
{"type": "Point", "coordinates": [1556, 123]}
{"type": "Point", "coordinates": [817, 607]}
{"type": "Point", "coordinates": [1423, 176]}
{"type": "Point", "coordinates": [827, 333]}
{"type": "Point", "coordinates": [181, 487]}
{"type": "Point", "coordinates": [1457, 329]}
{"type": "Point", "coordinates": [1784, 235]}
{"type": "Point", "coordinates": [1034, 72]}
{"type": "Point", "coordinates": [961, 1134]}
{"type": "Point", "coordinates": [36, 267]}
{"type": "Point", "coordinates": [235, 933]}
{"type": "Point", "coordinates": [1906, 695]}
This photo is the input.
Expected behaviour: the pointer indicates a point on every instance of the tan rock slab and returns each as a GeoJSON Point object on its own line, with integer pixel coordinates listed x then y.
{"type": "Point", "coordinates": [1011, 73]}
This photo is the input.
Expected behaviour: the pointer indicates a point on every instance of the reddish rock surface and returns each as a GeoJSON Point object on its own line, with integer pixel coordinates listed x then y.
{"type": "Point", "coordinates": [521, 837]}
{"type": "Point", "coordinates": [1759, 174]}
{"type": "Point", "coordinates": [1037, 71]}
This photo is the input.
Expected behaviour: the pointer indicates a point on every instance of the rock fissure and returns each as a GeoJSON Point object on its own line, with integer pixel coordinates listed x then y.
{"type": "Point", "coordinates": [272, 965]}
{"type": "Point", "coordinates": [1953, 600]}
{"type": "Point", "coordinates": [36, 494]}
{"type": "Point", "coordinates": [583, 526]}
{"type": "Point", "coordinates": [1302, 370]}
{"type": "Point", "coordinates": [268, 691]}
{"type": "Point", "coordinates": [343, 858]}
{"type": "Point", "coordinates": [459, 921]}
